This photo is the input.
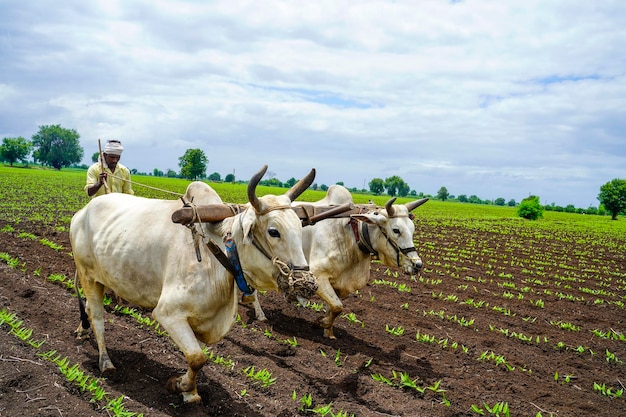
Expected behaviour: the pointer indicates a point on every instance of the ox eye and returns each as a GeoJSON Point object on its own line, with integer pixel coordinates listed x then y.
{"type": "Point", "coordinates": [396, 231]}
{"type": "Point", "coordinates": [273, 233]}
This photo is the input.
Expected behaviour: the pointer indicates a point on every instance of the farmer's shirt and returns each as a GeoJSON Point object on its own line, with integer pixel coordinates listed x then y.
{"type": "Point", "coordinates": [119, 182]}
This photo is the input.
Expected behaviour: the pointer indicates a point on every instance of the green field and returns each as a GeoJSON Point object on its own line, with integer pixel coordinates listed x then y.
{"type": "Point", "coordinates": [54, 196]}
{"type": "Point", "coordinates": [505, 311]}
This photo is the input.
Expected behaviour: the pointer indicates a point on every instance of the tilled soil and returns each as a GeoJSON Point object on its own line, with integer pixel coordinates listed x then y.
{"type": "Point", "coordinates": [477, 357]}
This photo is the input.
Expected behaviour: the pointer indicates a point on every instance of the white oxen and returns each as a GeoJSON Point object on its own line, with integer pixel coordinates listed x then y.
{"type": "Point", "coordinates": [339, 250]}
{"type": "Point", "coordinates": [131, 245]}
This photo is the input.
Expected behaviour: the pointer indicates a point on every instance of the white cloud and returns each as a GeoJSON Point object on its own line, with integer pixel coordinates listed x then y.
{"type": "Point", "coordinates": [496, 99]}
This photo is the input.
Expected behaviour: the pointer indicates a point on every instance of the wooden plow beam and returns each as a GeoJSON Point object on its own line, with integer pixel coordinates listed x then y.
{"type": "Point", "coordinates": [308, 213]}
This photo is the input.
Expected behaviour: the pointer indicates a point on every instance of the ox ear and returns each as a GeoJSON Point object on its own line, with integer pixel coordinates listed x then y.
{"type": "Point", "coordinates": [248, 220]}
{"type": "Point", "coordinates": [369, 218]}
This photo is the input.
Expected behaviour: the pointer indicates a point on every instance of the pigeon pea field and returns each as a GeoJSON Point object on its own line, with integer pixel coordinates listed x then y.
{"type": "Point", "coordinates": [508, 317]}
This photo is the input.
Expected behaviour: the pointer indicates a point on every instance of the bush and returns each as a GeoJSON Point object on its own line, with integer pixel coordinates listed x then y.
{"type": "Point", "coordinates": [530, 208]}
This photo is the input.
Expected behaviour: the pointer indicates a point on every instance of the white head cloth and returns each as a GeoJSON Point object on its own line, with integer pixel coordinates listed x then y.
{"type": "Point", "coordinates": [113, 147]}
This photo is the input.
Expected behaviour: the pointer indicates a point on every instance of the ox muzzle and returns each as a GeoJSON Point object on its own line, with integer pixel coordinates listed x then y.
{"type": "Point", "coordinates": [296, 282]}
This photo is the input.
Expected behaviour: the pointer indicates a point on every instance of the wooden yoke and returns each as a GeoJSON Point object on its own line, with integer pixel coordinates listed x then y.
{"type": "Point", "coordinates": [211, 213]}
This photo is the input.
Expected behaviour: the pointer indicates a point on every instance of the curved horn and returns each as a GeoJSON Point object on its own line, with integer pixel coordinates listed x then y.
{"type": "Point", "coordinates": [301, 186]}
{"type": "Point", "coordinates": [415, 204]}
{"type": "Point", "coordinates": [254, 181]}
{"type": "Point", "coordinates": [389, 206]}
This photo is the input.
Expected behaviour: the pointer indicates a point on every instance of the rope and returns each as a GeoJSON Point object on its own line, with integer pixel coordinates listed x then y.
{"type": "Point", "coordinates": [283, 268]}
{"type": "Point", "coordinates": [148, 186]}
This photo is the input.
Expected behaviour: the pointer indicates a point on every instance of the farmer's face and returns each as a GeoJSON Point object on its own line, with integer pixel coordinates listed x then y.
{"type": "Point", "coordinates": [111, 160]}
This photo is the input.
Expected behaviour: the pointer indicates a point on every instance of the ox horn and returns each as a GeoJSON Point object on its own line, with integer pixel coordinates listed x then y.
{"type": "Point", "coordinates": [301, 186]}
{"type": "Point", "coordinates": [389, 207]}
{"type": "Point", "coordinates": [415, 204]}
{"type": "Point", "coordinates": [254, 181]}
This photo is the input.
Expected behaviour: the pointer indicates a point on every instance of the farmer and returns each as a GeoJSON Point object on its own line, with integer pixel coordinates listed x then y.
{"type": "Point", "coordinates": [108, 175]}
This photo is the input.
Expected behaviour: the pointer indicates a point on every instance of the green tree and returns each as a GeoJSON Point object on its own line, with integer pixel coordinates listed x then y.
{"type": "Point", "coordinates": [499, 201]}
{"type": "Point", "coordinates": [377, 186]}
{"type": "Point", "coordinates": [15, 149]}
{"type": "Point", "coordinates": [511, 203]}
{"type": "Point", "coordinates": [157, 172]}
{"type": "Point", "coordinates": [171, 173]}
{"type": "Point", "coordinates": [443, 194]}
{"type": "Point", "coordinates": [613, 197]}
{"type": "Point", "coordinates": [57, 147]}
{"type": "Point", "coordinates": [95, 156]}
{"type": "Point", "coordinates": [193, 164]}
{"type": "Point", "coordinates": [474, 199]}
{"type": "Point", "coordinates": [272, 182]}
{"type": "Point", "coordinates": [396, 186]}
{"type": "Point", "coordinates": [462, 198]}
{"type": "Point", "coordinates": [229, 178]}
{"type": "Point", "coordinates": [530, 208]}
{"type": "Point", "coordinates": [290, 182]}
{"type": "Point", "coordinates": [216, 177]}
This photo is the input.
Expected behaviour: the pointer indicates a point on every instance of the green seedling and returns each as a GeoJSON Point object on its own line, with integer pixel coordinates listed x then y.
{"type": "Point", "coordinates": [291, 342]}
{"type": "Point", "coordinates": [338, 358]}
{"type": "Point", "coordinates": [351, 317]}
{"type": "Point", "coordinates": [396, 331]}
{"type": "Point", "coordinates": [608, 391]}
{"type": "Point", "coordinates": [263, 376]}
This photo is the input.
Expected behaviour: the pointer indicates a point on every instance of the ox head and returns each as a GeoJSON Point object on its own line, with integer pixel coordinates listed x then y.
{"type": "Point", "coordinates": [271, 226]}
{"type": "Point", "coordinates": [392, 240]}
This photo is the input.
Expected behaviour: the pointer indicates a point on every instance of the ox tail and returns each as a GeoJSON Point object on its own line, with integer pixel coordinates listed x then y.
{"type": "Point", "coordinates": [84, 318]}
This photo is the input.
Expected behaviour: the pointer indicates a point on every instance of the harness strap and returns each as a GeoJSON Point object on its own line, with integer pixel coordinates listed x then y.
{"type": "Point", "coordinates": [231, 263]}
{"type": "Point", "coordinates": [233, 257]}
{"type": "Point", "coordinates": [362, 237]}
{"type": "Point", "coordinates": [365, 243]}
{"type": "Point", "coordinates": [220, 256]}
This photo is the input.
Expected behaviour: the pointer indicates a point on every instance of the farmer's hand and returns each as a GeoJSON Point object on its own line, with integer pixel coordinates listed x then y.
{"type": "Point", "coordinates": [103, 178]}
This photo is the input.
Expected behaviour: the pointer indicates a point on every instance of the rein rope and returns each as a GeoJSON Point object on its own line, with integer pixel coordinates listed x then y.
{"type": "Point", "coordinates": [147, 186]}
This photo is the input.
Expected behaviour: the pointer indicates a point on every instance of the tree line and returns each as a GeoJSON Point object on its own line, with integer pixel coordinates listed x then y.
{"type": "Point", "coordinates": [59, 147]}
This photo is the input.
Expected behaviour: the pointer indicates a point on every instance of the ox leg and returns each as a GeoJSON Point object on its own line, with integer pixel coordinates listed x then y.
{"type": "Point", "coordinates": [253, 299]}
{"type": "Point", "coordinates": [186, 340]}
{"type": "Point", "coordinates": [94, 293]}
{"type": "Point", "coordinates": [81, 332]}
{"type": "Point", "coordinates": [326, 292]}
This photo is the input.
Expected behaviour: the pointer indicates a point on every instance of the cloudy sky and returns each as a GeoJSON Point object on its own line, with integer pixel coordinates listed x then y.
{"type": "Point", "coordinates": [488, 98]}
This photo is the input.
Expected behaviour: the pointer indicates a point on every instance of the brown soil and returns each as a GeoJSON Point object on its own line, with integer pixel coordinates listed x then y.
{"type": "Point", "coordinates": [331, 371]}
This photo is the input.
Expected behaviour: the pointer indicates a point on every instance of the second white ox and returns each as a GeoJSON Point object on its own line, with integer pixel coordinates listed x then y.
{"type": "Point", "coordinates": [339, 250]}
{"type": "Point", "coordinates": [131, 245]}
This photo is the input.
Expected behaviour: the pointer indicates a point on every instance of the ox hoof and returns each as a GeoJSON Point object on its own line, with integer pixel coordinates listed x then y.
{"type": "Point", "coordinates": [328, 333]}
{"type": "Point", "coordinates": [106, 367]}
{"type": "Point", "coordinates": [82, 337]}
{"type": "Point", "coordinates": [189, 397]}
{"type": "Point", "coordinates": [81, 333]}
